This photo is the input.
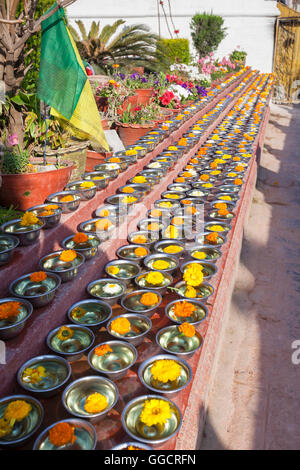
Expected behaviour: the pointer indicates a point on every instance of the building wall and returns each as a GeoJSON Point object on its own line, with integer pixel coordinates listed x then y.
{"type": "Point", "coordinates": [250, 23]}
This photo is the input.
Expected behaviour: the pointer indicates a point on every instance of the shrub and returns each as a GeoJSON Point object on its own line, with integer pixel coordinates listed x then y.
{"type": "Point", "coordinates": [176, 51]}
{"type": "Point", "coordinates": [207, 32]}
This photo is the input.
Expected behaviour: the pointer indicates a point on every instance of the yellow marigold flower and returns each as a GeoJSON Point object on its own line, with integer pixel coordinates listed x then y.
{"type": "Point", "coordinates": [95, 403]}
{"type": "Point", "coordinates": [199, 255]}
{"type": "Point", "coordinates": [128, 199]}
{"type": "Point", "coordinates": [121, 325]}
{"type": "Point", "coordinates": [190, 292]}
{"type": "Point", "coordinates": [149, 299]}
{"type": "Point", "coordinates": [140, 252]}
{"type": "Point", "coordinates": [187, 329]}
{"type": "Point", "coordinates": [113, 270]}
{"type": "Point", "coordinates": [103, 224]}
{"type": "Point", "coordinates": [65, 333]}
{"type": "Point", "coordinates": [193, 275]}
{"type": "Point", "coordinates": [5, 427]}
{"type": "Point", "coordinates": [165, 204]}
{"type": "Point", "coordinates": [139, 179]}
{"type": "Point", "coordinates": [17, 410]}
{"type": "Point", "coordinates": [207, 185]}
{"type": "Point", "coordinates": [38, 276]}
{"type": "Point", "coordinates": [154, 226]}
{"type": "Point", "coordinates": [104, 213]}
{"type": "Point", "coordinates": [172, 196]}
{"type": "Point", "coordinates": [165, 370]}
{"type": "Point", "coordinates": [226, 198]}
{"type": "Point", "coordinates": [155, 411]}
{"type": "Point", "coordinates": [128, 189]}
{"type": "Point", "coordinates": [171, 232]}
{"type": "Point", "coordinates": [172, 148]}
{"type": "Point", "coordinates": [87, 185]}
{"type": "Point", "coordinates": [161, 264]}
{"type": "Point", "coordinates": [139, 239]}
{"type": "Point", "coordinates": [216, 228]}
{"type": "Point", "coordinates": [28, 219]}
{"type": "Point", "coordinates": [232, 174]}
{"type": "Point", "coordinates": [154, 278]}
{"type": "Point", "coordinates": [172, 249]}
{"type": "Point", "coordinates": [62, 434]}
{"type": "Point", "coordinates": [68, 256]}
{"type": "Point", "coordinates": [34, 376]}
{"type": "Point", "coordinates": [78, 312]}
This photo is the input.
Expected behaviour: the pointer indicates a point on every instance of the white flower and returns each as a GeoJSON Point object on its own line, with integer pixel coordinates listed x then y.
{"type": "Point", "coordinates": [112, 289]}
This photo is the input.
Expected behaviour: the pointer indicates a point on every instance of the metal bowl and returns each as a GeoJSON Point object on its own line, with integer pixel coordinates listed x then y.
{"type": "Point", "coordinates": [58, 372]}
{"type": "Point", "coordinates": [50, 220]}
{"type": "Point", "coordinates": [229, 204]}
{"type": "Point", "coordinates": [111, 169]}
{"type": "Point", "coordinates": [213, 215]}
{"type": "Point", "coordinates": [114, 364]}
{"type": "Point", "coordinates": [159, 247]}
{"type": "Point", "coordinates": [116, 214]}
{"type": "Point", "coordinates": [140, 326]}
{"type": "Point", "coordinates": [137, 188]}
{"type": "Point", "coordinates": [39, 294]}
{"type": "Point", "coordinates": [123, 162]}
{"type": "Point", "coordinates": [22, 430]}
{"type": "Point", "coordinates": [131, 302]}
{"type": "Point", "coordinates": [179, 187]}
{"type": "Point", "coordinates": [229, 188]}
{"type": "Point", "coordinates": [74, 347]}
{"type": "Point", "coordinates": [90, 227]}
{"type": "Point", "coordinates": [85, 433]}
{"type": "Point", "coordinates": [197, 317]}
{"type": "Point", "coordinates": [212, 254]}
{"type": "Point", "coordinates": [100, 289]}
{"type": "Point", "coordinates": [67, 271]}
{"type": "Point", "coordinates": [85, 193]}
{"type": "Point", "coordinates": [126, 445]}
{"type": "Point", "coordinates": [67, 206]}
{"type": "Point", "coordinates": [197, 193]}
{"type": "Point", "coordinates": [162, 288]}
{"type": "Point", "coordinates": [127, 252]}
{"type": "Point", "coordinates": [172, 260]}
{"type": "Point", "coordinates": [88, 249]}
{"type": "Point", "coordinates": [9, 329]}
{"type": "Point", "coordinates": [173, 342]}
{"type": "Point", "coordinates": [226, 227]}
{"type": "Point", "coordinates": [8, 243]}
{"type": "Point", "coordinates": [144, 225]}
{"type": "Point", "coordinates": [201, 239]}
{"type": "Point", "coordinates": [170, 388]}
{"type": "Point", "coordinates": [152, 238]}
{"type": "Point", "coordinates": [91, 313]}
{"type": "Point", "coordinates": [209, 269]}
{"type": "Point", "coordinates": [75, 395]}
{"type": "Point", "coordinates": [99, 178]}
{"type": "Point", "coordinates": [161, 204]}
{"type": "Point", "coordinates": [204, 291]}
{"type": "Point", "coordinates": [128, 270]}
{"type": "Point", "coordinates": [234, 197]}
{"type": "Point", "coordinates": [173, 195]}
{"type": "Point", "coordinates": [120, 199]}
{"type": "Point", "coordinates": [26, 235]}
{"type": "Point", "coordinates": [155, 435]}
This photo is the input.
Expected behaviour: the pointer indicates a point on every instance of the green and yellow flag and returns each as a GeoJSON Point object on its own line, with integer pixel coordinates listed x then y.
{"type": "Point", "coordinates": [63, 82]}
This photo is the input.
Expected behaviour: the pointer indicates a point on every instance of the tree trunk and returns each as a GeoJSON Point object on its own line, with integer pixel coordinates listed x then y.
{"type": "Point", "coordinates": [15, 125]}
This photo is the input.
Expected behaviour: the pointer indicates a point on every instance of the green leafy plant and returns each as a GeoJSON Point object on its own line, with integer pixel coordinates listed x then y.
{"type": "Point", "coordinates": [9, 213]}
{"type": "Point", "coordinates": [14, 162]}
{"type": "Point", "coordinates": [176, 51]}
{"type": "Point", "coordinates": [207, 32]}
{"type": "Point", "coordinates": [140, 114]}
{"type": "Point", "coordinates": [238, 56]}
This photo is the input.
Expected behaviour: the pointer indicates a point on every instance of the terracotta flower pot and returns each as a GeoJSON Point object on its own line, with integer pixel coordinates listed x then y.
{"type": "Point", "coordinates": [144, 95]}
{"type": "Point", "coordinates": [130, 133]}
{"type": "Point", "coordinates": [131, 100]}
{"type": "Point", "coordinates": [95, 158]}
{"type": "Point", "coordinates": [29, 189]}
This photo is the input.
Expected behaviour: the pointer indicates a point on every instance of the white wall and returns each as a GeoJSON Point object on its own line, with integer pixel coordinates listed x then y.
{"type": "Point", "coordinates": [250, 23]}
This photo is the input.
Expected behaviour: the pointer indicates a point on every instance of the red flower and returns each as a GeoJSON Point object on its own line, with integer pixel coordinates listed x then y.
{"type": "Point", "coordinates": [176, 31]}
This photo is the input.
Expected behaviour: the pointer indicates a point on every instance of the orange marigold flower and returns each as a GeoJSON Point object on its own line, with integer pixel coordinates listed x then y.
{"type": "Point", "coordinates": [68, 198]}
{"type": "Point", "coordinates": [154, 226]}
{"type": "Point", "coordinates": [139, 239]}
{"type": "Point", "coordinates": [46, 213]}
{"type": "Point", "coordinates": [187, 330]}
{"type": "Point", "coordinates": [155, 213]}
{"type": "Point", "coordinates": [204, 177]}
{"type": "Point", "coordinates": [9, 309]}
{"type": "Point", "coordinates": [184, 309]}
{"type": "Point", "coordinates": [104, 213]}
{"type": "Point", "coordinates": [180, 180]}
{"type": "Point", "coordinates": [221, 205]}
{"type": "Point", "coordinates": [103, 349]}
{"type": "Point", "coordinates": [103, 224]}
{"type": "Point", "coordinates": [238, 181]}
{"type": "Point", "coordinates": [114, 160]}
{"type": "Point", "coordinates": [149, 299]}
{"type": "Point", "coordinates": [80, 237]}
{"type": "Point", "coordinates": [38, 276]}
{"type": "Point", "coordinates": [212, 237]}
{"type": "Point", "coordinates": [186, 201]}
{"type": "Point", "coordinates": [140, 252]}
{"type": "Point", "coordinates": [121, 325]}
{"type": "Point", "coordinates": [223, 212]}
{"type": "Point", "coordinates": [68, 255]}
{"type": "Point", "coordinates": [191, 210]}
{"type": "Point", "coordinates": [62, 434]}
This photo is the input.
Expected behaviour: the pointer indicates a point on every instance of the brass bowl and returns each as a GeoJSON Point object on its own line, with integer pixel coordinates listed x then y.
{"type": "Point", "coordinates": [170, 388]}
{"type": "Point", "coordinates": [11, 328]}
{"type": "Point", "coordinates": [88, 249]}
{"type": "Point", "coordinates": [91, 313]}
{"type": "Point", "coordinates": [126, 445]}
{"type": "Point", "coordinates": [100, 179]}
{"type": "Point", "coordinates": [156, 434]}
{"type": "Point", "coordinates": [74, 347]}
{"type": "Point", "coordinates": [141, 282]}
{"type": "Point", "coordinates": [74, 396]}
{"type": "Point", "coordinates": [209, 269]}
{"type": "Point", "coordinates": [100, 290]}
{"type": "Point", "coordinates": [140, 326]}
{"type": "Point", "coordinates": [173, 261]}
{"type": "Point", "coordinates": [90, 227]}
{"type": "Point", "coordinates": [67, 271]}
{"type": "Point", "coordinates": [128, 270]}
{"type": "Point", "coordinates": [197, 316]}
{"type": "Point", "coordinates": [85, 193]}
{"type": "Point", "coordinates": [86, 437]}
{"type": "Point", "coordinates": [114, 364]}
{"type": "Point", "coordinates": [173, 342]}
{"type": "Point", "coordinates": [127, 252]}
{"type": "Point", "coordinates": [39, 294]}
{"type": "Point", "coordinates": [212, 254]}
{"type": "Point", "coordinates": [8, 243]}
{"type": "Point", "coordinates": [159, 247]}
{"type": "Point", "coordinates": [131, 302]}
{"type": "Point", "coordinates": [22, 430]}
{"type": "Point", "coordinates": [58, 372]}
{"type": "Point", "coordinates": [67, 206]}
{"type": "Point", "coordinates": [26, 235]}
{"type": "Point", "coordinates": [50, 220]}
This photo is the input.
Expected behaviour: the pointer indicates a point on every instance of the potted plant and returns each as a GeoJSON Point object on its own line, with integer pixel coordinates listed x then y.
{"type": "Point", "coordinates": [239, 57]}
{"type": "Point", "coordinates": [133, 124]}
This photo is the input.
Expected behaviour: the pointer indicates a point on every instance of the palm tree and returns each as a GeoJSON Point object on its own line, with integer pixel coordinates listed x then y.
{"type": "Point", "coordinates": [134, 44]}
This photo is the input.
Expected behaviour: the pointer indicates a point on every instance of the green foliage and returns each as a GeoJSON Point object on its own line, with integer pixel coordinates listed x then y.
{"type": "Point", "coordinates": [176, 51]}
{"type": "Point", "coordinates": [238, 56]}
{"type": "Point", "coordinates": [207, 32]}
{"type": "Point", "coordinates": [140, 115]}
{"type": "Point", "coordinates": [14, 162]}
{"type": "Point", "coordinates": [10, 213]}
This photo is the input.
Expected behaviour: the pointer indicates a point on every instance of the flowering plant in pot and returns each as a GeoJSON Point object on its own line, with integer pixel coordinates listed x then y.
{"type": "Point", "coordinates": [133, 124]}
{"type": "Point", "coordinates": [142, 85]}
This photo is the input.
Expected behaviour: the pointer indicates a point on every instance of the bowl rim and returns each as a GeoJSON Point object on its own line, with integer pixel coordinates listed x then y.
{"type": "Point", "coordinates": [65, 241]}
{"type": "Point", "coordinates": [126, 315]}
{"type": "Point", "coordinates": [113, 342]}
{"type": "Point", "coordinates": [144, 291]}
{"type": "Point", "coordinates": [13, 238]}
{"type": "Point", "coordinates": [122, 261]}
{"type": "Point", "coordinates": [80, 255]}
{"type": "Point", "coordinates": [199, 304]}
{"type": "Point", "coordinates": [87, 301]}
{"type": "Point", "coordinates": [106, 279]}
{"type": "Point", "coordinates": [171, 327]}
{"type": "Point", "coordinates": [17, 234]}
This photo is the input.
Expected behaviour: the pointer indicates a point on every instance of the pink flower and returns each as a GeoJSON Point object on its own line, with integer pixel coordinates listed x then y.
{"type": "Point", "coordinates": [13, 140]}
